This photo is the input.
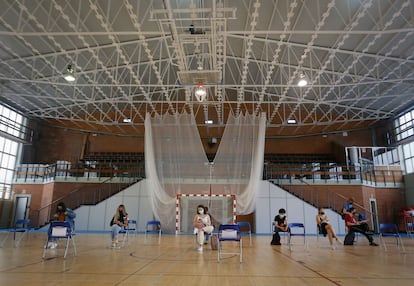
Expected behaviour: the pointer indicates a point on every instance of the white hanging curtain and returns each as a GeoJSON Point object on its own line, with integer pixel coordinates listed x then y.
{"type": "Point", "coordinates": [238, 164]}
{"type": "Point", "coordinates": [176, 163]}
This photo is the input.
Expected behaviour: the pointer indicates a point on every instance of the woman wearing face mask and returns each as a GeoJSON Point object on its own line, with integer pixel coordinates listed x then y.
{"type": "Point", "coordinates": [202, 224]}
{"type": "Point", "coordinates": [280, 225]}
{"type": "Point", "coordinates": [326, 228]}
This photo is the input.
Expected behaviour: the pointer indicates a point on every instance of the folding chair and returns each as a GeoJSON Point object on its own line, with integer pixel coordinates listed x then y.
{"type": "Point", "coordinates": [296, 229]}
{"type": "Point", "coordinates": [390, 230]}
{"type": "Point", "coordinates": [229, 232]}
{"type": "Point", "coordinates": [22, 226]}
{"type": "Point", "coordinates": [153, 226]}
{"type": "Point", "coordinates": [131, 228]}
{"type": "Point", "coordinates": [409, 226]}
{"type": "Point", "coordinates": [60, 230]}
{"type": "Point", "coordinates": [245, 229]}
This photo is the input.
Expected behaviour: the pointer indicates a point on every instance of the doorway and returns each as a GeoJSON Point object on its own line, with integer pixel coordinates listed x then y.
{"type": "Point", "coordinates": [21, 207]}
{"type": "Point", "coordinates": [374, 214]}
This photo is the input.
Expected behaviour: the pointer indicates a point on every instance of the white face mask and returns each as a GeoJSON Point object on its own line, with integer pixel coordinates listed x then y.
{"type": "Point", "coordinates": [282, 215]}
{"type": "Point", "coordinates": [201, 211]}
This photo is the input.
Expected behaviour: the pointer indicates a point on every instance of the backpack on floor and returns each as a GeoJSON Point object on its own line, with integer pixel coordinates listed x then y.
{"type": "Point", "coordinates": [214, 242]}
{"type": "Point", "coordinates": [349, 238]}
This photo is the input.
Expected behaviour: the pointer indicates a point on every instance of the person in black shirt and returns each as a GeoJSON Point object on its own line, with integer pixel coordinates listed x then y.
{"type": "Point", "coordinates": [118, 222]}
{"type": "Point", "coordinates": [280, 225]}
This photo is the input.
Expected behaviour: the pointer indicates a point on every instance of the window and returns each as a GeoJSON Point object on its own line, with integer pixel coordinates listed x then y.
{"type": "Point", "coordinates": [11, 123]}
{"type": "Point", "coordinates": [404, 126]}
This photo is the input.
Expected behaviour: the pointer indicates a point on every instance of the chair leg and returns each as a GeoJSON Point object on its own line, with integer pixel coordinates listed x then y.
{"type": "Point", "coordinates": [66, 248]}
{"type": "Point", "coordinates": [241, 250]}
{"type": "Point", "coordinates": [218, 250]}
{"type": "Point", "coordinates": [124, 238]}
{"type": "Point", "coordinates": [4, 239]}
{"type": "Point", "coordinates": [74, 246]}
{"type": "Point", "coordinates": [19, 239]}
{"type": "Point", "coordinates": [45, 248]}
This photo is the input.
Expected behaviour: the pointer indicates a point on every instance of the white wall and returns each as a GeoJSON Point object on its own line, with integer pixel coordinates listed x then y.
{"type": "Point", "coordinates": [137, 203]}
{"type": "Point", "coordinates": [269, 200]}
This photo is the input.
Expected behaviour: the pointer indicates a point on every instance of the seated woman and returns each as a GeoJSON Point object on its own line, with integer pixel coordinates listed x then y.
{"type": "Point", "coordinates": [326, 228]}
{"type": "Point", "coordinates": [202, 224]}
{"type": "Point", "coordinates": [118, 222]}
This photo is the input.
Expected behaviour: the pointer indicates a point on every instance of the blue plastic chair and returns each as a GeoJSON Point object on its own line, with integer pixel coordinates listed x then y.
{"type": "Point", "coordinates": [229, 232]}
{"type": "Point", "coordinates": [60, 230]}
{"type": "Point", "coordinates": [390, 230]}
{"type": "Point", "coordinates": [409, 226]}
{"type": "Point", "coordinates": [296, 229]}
{"type": "Point", "coordinates": [245, 229]}
{"type": "Point", "coordinates": [22, 226]}
{"type": "Point", "coordinates": [131, 228]}
{"type": "Point", "coordinates": [153, 226]}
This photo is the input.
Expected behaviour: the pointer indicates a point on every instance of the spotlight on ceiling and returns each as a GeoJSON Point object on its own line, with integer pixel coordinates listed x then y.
{"type": "Point", "coordinates": [291, 121]}
{"type": "Point", "coordinates": [127, 120]}
{"type": "Point", "coordinates": [302, 80]}
{"type": "Point", "coordinates": [69, 76]}
{"type": "Point", "coordinates": [200, 92]}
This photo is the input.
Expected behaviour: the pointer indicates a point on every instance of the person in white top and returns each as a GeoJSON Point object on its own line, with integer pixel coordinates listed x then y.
{"type": "Point", "coordinates": [202, 224]}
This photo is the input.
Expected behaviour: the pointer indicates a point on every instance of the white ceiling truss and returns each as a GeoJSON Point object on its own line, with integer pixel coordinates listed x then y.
{"type": "Point", "coordinates": [358, 57]}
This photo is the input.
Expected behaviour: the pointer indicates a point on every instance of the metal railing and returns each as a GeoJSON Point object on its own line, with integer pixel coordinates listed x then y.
{"type": "Point", "coordinates": [283, 175]}
{"type": "Point", "coordinates": [90, 194]}
{"type": "Point", "coordinates": [82, 172]}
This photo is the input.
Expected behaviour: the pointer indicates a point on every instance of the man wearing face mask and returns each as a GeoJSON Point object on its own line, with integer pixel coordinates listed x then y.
{"type": "Point", "coordinates": [202, 224]}
{"type": "Point", "coordinates": [280, 225]}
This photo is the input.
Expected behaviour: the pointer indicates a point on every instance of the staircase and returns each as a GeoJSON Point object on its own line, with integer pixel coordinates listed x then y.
{"type": "Point", "coordinates": [84, 195]}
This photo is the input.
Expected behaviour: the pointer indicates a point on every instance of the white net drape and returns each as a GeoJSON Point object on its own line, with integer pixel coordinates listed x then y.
{"type": "Point", "coordinates": [176, 163]}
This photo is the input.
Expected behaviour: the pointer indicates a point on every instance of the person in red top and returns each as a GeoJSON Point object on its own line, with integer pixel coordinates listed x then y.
{"type": "Point", "coordinates": [358, 226]}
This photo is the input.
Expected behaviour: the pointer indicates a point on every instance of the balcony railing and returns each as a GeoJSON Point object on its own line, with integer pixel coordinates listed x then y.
{"type": "Point", "coordinates": [387, 176]}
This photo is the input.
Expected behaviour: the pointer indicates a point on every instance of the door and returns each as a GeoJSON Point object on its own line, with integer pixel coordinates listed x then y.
{"type": "Point", "coordinates": [374, 214]}
{"type": "Point", "coordinates": [21, 207]}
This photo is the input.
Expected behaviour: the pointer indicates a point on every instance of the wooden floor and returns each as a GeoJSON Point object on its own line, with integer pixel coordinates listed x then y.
{"type": "Point", "coordinates": [176, 262]}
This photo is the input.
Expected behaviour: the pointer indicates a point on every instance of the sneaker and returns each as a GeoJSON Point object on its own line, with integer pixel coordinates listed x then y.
{"type": "Point", "coordinates": [200, 249]}
{"type": "Point", "coordinates": [373, 243]}
{"type": "Point", "coordinates": [339, 241]}
{"type": "Point", "coordinates": [54, 245]}
{"type": "Point", "coordinates": [333, 247]}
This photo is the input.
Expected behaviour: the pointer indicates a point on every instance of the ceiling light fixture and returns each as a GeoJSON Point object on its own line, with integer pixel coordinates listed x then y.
{"type": "Point", "coordinates": [291, 121]}
{"type": "Point", "coordinates": [200, 92]}
{"type": "Point", "coordinates": [127, 120]}
{"type": "Point", "coordinates": [69, 76]}
{"type": "Point", "coordinates": [302, 80]}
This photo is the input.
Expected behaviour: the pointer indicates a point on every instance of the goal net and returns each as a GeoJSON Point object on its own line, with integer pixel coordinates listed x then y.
{"type": "Point", "coordinates": [222, 210]}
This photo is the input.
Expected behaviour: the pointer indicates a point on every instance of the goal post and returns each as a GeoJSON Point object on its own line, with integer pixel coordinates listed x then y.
{"type": "Point", "coordinates": [222, 210]}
